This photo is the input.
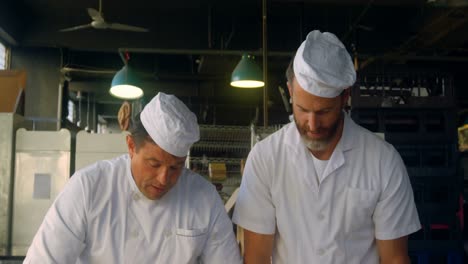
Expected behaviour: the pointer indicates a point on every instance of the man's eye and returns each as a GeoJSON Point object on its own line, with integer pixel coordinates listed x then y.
{"type": "Point", "coordinates": [323, 112]}
{"type": "Point", "coordinates": [155, 165]}
{"type": "Point", "coordinates": [178, 167]}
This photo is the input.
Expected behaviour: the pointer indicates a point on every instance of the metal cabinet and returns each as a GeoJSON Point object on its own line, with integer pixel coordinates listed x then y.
{"type": "Point", "coordinates": [42, 167]}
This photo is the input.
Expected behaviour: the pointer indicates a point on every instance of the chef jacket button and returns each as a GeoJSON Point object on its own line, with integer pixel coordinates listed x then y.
{"type": "Point", "coordinates": [136, 197]}
{"type": "Point", "coordinates": [321, 217]}
{"type": "Point", "coordinates": [134, 233]}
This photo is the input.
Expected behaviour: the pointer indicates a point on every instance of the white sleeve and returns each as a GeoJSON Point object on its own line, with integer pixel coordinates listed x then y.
{"type": "Point", "coordinates": [254, 209]}
{"type": "Point", "coordinates": [221, 246]}
{"type": "Point", "coordinates": [395, 214]}
{"type": "Point", "coordinates": [60, 238]}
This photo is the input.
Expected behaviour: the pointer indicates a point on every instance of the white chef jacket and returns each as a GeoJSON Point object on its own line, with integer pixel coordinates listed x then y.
{"type": "Point", "coordinates": [364, 193]}
{"type": "Point", "coordinates": [102, 217]}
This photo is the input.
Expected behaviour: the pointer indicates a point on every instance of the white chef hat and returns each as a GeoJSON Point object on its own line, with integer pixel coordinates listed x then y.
{"type": "Point", "coordinates": [171, 125]}
{"type": "Point", "coordinates": [322, 66]}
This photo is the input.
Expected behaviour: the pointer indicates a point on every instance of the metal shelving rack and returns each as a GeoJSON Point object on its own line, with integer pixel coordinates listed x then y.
{"type": "Point", "coordinates": [226, 144]}
{"type": "Point", "coordinates": [417, 115]}
{"type": "Point", "coordinates": [229, 145]}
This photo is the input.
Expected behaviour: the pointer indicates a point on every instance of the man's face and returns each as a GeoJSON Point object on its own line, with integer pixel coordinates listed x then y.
{"type": "Point", "coordinates": [317, 118]}
{"type": "Point", "coordinates": [154, 170]}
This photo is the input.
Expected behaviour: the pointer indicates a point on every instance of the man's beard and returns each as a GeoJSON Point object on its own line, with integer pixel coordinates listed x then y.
{"type": "Point", "coordinates": [318, 144]}
{"type": "Point", "coordinates": [315, 144]}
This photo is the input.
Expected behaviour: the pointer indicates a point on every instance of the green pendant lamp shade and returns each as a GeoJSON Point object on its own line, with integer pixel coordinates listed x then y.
{"type": "Point", "coordinates": [125, 84]}
{"type": "Point", "coordinates": [247, 74]}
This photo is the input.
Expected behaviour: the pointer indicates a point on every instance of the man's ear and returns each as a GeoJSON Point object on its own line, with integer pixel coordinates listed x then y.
{"type": "Point", "coordinates": [131, 145]}
{"type": "Point", "coordinates": [345, 96]}
{"type": "Point", "coordinates": [290, 89]}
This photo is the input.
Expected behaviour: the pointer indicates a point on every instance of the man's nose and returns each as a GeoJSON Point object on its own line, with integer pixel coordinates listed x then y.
{"type": "Point", "coordinates": [163, 176]}
{"type": "Point", "coordinates": [313, 122]}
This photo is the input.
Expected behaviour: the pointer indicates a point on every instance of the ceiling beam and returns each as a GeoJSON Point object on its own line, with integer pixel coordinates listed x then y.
{"type": "Point", "coordinates": [10, 25]}
{"type": "Point", "coordinates": [428, 36]}
{"type": "Point", "coordinates": [206, 52]}
{"type": "Point", "coordinates": [357, 20]}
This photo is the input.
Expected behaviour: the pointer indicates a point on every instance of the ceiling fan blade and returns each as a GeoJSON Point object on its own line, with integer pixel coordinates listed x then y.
{"type": "Point", "coordinates": [75, 28]}
{"type": "Point", "coordinates": [95, 15]}
{"type": "Point", "coordinates": [123, 27]}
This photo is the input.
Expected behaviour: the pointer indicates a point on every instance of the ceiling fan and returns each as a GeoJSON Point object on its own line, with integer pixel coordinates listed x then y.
{"type": "Point", "coordinates": [98, 22]}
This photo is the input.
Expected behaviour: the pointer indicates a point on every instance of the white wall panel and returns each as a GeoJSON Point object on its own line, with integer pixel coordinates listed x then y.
{"type": "Point", "coordinates": [42, 167]}
{"type": "Point", "coordinates": [94, 147]}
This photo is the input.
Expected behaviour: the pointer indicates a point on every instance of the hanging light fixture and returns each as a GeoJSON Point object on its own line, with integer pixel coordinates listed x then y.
{"type": "Point", "coordinates": [247, 74]}
{"type": "Point", "coordinates": [125, 84]}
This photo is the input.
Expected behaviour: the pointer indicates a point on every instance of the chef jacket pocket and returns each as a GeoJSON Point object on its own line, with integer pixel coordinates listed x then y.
{"type": "Point", "coordinates": [190, 232]}
{"type": "Point", "coordinates": [360, 205]}
{"type": "Point", "coordinates": [185, 245]}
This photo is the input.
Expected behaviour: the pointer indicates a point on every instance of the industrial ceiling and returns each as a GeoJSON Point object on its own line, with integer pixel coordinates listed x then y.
{"type": "Point", "coordinates": [192, 46]}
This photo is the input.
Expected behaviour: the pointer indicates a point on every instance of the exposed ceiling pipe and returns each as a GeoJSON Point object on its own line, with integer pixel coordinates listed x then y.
{"type": "Point", "coordinates": [79, 96]}
{"type": "Point", "coordinates": [356, 22]}
{"type": "Point", "coordinates": [437, 58]}
{"type": "Point", "coordinates": [206, 52]}
{"type": "Point", "coordinates": [94, 112]}
{"type": "Point", "coordinates": [210, 18]}
{"type": "Point", "coordinates": [87, 112]}
{"type": "Point", "coordinates": [70, 70]}
{"type": "Point", "coordinates": [397, 57]}
{"type": "Point", "coordinates": [122, 56]}
{"type": "Point", "coordinates": [146, 76]}
{"type": "Point", "coordinates": [442, 25]}
{"type": "Point", "coordinates": [7, 37]}
{"type": "Point", "coordinates": [231, 35]}
{"type": "Point", "coordinates": [265, 64]}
